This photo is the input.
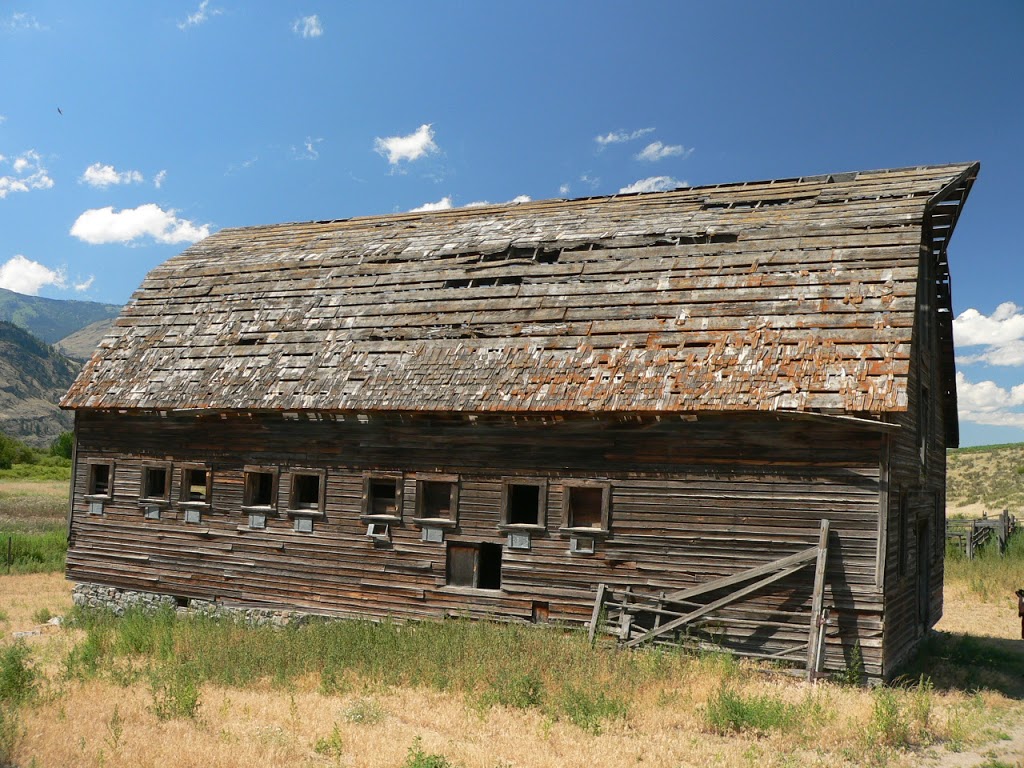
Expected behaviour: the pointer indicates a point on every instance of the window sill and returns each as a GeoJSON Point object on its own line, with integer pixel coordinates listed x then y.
{"type": "Point", "coordinates": [154, 502]}
{"type": "Point", "coordinates": [201, 505]}
{"type": "Point", "coordinates": [259, 510]}
{"type": "Point", "coordinates": [435, 522]}
{"type": "Point", "coordinates": [317, 513]}
{"type": "Point", "coordinates": [394, 519]}
{"type": "Point", "coordinates": [101, 497]}
{"type": "Point", "coordinates": [523, 527]}
{"type": "Point", "coordinates": [597, 533]}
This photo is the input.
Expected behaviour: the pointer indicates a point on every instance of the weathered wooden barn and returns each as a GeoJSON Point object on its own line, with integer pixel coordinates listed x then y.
{"type": "Point", "coordinates": [490, 411]}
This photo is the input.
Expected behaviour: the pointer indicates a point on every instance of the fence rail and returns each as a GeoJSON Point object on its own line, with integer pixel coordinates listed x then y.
{"type": "Point", "coordinates": [968, 535]}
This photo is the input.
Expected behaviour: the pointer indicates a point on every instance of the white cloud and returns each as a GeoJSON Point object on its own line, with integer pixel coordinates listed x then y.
{"type": "Point", "coordinates": [308, 26]}
{"type": "Point", "coordinates": [1001, 334]}
{"type": "Point", "coordinates": [3, 119]}
{"type": "Point", "coordinates": [590, 181]}
{"type": "Point", "coordinates": [412, 147]}
{"type": "Point", "coordinates": [521, 199]}
{"type": "Point", "coordinates": [26, 276]}
{"type": "Point", "coordinates": [104, 225]}
{"type": "Point", "coordinates": [658, 151]}
{"type": "Point", "coordinates": [203, 12]}
{"type": "Point", "coordinates": [564, 190]}
{"type": "Point", "coordinates": [21, 22]}
{"type": "Point", "coordinates": [988, 403]}
{"type": "Point", "coordinates": [98, 175]}
{"type": "Point", "coordinates": [158, 180]}
{"type": "Point", "coordinates": [308, 151]}
{"type": "Point", "coordinates": [29, 174]}
{"type": "Point", "coordinates": [619, 137]}
{"type": "Point", "coordinates": [653, 184]}
{"type": "Point", "coordinates": [86, 284]}
{"type": "Point", "coordinates": [441, 205]}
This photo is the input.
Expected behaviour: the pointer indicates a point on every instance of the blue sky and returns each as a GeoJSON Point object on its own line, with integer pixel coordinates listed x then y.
{"type": "Point", "coordinates": [179, 118]}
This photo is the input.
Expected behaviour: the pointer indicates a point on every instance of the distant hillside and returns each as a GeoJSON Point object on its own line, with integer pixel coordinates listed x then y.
{"type": "Point", "coordinates": [33, 377]}
{"type": "Point", "coordinates": [991, 475]}
{"type": "Point", "coordinates": [52, 319]}
{"type": "Point", "coordinates": [82, 343]}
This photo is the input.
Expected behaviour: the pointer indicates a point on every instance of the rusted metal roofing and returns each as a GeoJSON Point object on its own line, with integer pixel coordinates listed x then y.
{"type": "Point", "coordinates": [792, 294]}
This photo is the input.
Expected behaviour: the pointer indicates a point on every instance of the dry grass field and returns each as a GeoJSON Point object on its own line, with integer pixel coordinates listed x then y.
{"type": "Point", "coordinates": [112, 716]}
{"type": "Point", "coordinates": [157, 692]}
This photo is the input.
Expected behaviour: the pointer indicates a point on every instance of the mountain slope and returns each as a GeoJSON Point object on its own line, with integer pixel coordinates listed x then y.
{"type": "Point", "coordinates": [33, 377]}
{"type": "Point", "coordinates": [82, 343]}
{"type": "Point", "coordinates": [52, 319]}
{"type": "Point", "coordinates": [991, 475]}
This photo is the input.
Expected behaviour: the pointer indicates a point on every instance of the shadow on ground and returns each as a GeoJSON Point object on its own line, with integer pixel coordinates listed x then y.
{"type": "Point", "coordinates": [970, 663]}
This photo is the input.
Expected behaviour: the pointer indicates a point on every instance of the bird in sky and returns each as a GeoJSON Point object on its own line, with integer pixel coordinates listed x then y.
{"type": "Point", "coordinates": [60, 111]}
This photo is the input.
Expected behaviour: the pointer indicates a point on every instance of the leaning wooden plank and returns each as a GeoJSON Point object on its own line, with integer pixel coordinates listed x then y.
{"type": "Point", "coordinates": [738, 578]}
{"type": "Point", "coordinates": [813, 646]}
{"type": "Point", "coordinates": [676, 623]}
{"type": "Point", "coordinates": [596, 615]}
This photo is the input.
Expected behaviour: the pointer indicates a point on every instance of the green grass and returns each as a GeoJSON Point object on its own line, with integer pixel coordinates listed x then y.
{"type": "Point", "coordinates": [33, 551]}
{"type": "Point", "coordinates": [729, 711]}
{"type": "Point", "coordinates": [47, 468]}
{"type": "Point", "coordinates": [550, 669]}
{"type": "Point", "coordinates": [990, 574]}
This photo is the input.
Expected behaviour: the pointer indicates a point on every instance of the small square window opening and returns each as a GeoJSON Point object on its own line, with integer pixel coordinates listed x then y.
{"type": "Point", "coordinates": [155, 482]}
{"type": "Point", "coordinates": [524, 504]}
{"type": "Point", "coordinates": [195, 484]}
{"type": "Point", "coordinates": [382, 496]}
{"type": "Point", "coordinates": [435, 499]}
{"type": "Point", "coordinates": [585, 507]}
{"type": "Point", "coordinates": [99, 480]}
{"type": "Point", "coordinates": [259, 489]}
{"type": "Point", "coordinates": [306, 491]}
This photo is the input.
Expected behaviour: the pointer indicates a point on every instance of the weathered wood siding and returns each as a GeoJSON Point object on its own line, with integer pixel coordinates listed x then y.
{"type": "Point", "coordinates": [690, 500]}
{"type": "Point", "coordinates": [917, 497]}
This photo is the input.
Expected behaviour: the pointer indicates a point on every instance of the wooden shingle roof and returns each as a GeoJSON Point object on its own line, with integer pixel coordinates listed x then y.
{"type": "Point", "coordinates": [792, 294]}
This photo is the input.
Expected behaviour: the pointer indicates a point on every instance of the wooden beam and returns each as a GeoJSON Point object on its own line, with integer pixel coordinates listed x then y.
{"type": "Point", "coordinates": [598, 603]}
{"type": "Point", "coordinates": [803, 556]}
{"type": "Point", "coordinates": [731, 598]}
{"type": "Point", "coordinates": [813, 645]}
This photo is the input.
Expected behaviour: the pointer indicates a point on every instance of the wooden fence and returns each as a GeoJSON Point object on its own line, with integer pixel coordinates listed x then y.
{"type": "Point", "coordinates": [968, 535]}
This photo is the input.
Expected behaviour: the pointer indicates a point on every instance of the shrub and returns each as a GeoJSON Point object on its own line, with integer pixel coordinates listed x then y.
{"type": "Point", "coordinates": [417, 758]}
{"type": "Point", "coordinates": [17, 677]}
{"type": "Point", "coordinates": [364, 712]}
{"type": "Point", "coordinates": [730, 711]}
{"type": "Point", "coordinates": [588, 709]}
{"type": "Point", "coordinates": [175, 692]}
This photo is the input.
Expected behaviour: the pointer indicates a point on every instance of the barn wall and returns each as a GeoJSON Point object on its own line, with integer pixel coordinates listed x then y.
{"type": "Point", "coordinates": [690, 501]}
{"type": "Point", "coordinates": [917, 500]}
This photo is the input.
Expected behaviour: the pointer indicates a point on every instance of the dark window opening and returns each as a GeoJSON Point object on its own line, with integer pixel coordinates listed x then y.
{"type": "Point", "coordinates": [474, 565]}
{"type": "Point", "coordinates": [99, 479]}
{"type": "Point", "coordinates": [435, 499]}
{"type": "Point", "coordinates": [259, 489]}
{"type": "Point", "coordinates": [306, 492]}
{"type": "Point", "coordinates": [586, 505]}
{"type": "Point", "coordinates": [524, 504]}
{"type": "Point", "coordinates": [489, 576]}
{"type": "Point", "coordinates": [155, 482]}
{"type": "Point", "coordinates": [382, 496]}
{"type": "Point", "coordinates": [195, 485]}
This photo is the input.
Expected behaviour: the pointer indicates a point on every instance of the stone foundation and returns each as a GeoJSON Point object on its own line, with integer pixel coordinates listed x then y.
{"type": "Point", "coordinates": [118, 601]}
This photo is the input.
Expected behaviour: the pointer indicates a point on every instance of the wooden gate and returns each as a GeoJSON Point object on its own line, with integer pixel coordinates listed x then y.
{"type": "Point", "coordinates": [635, 618]}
